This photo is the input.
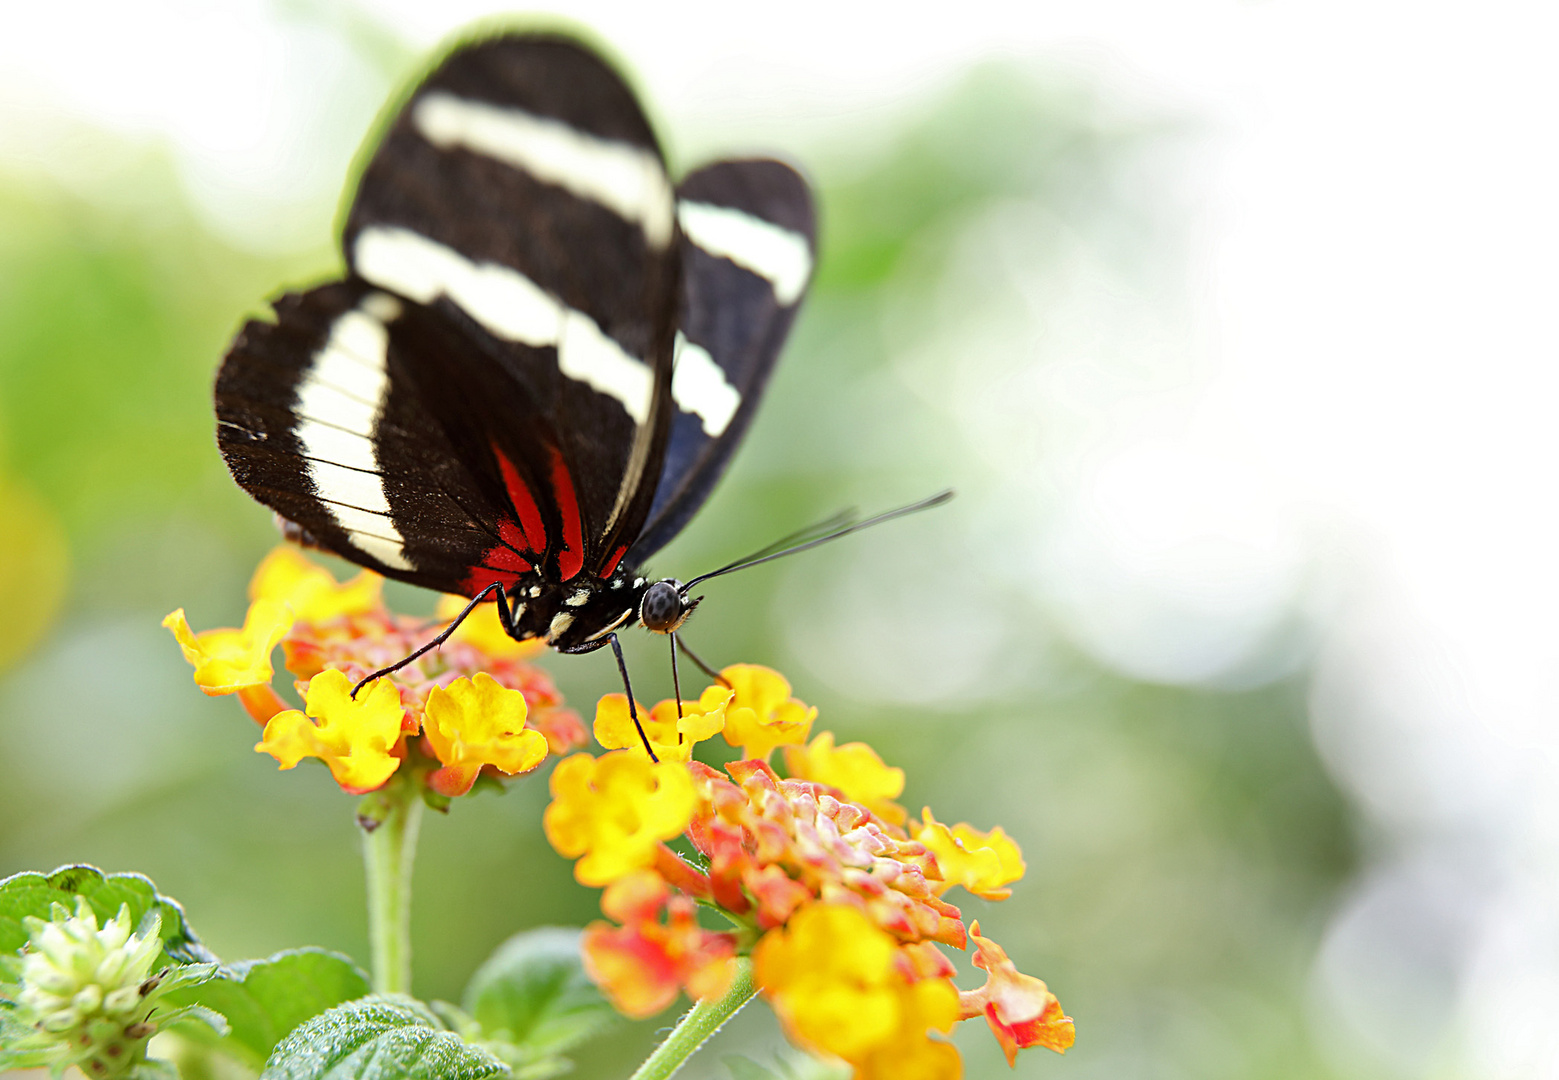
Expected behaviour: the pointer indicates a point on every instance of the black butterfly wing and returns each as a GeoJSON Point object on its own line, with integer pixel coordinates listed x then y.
{"type": "Point", "coordinates": [748, 249]}
{"type": "Point", "coordinates": [514, 289]}
{"type": "Point", "coordinates": [317, 422]}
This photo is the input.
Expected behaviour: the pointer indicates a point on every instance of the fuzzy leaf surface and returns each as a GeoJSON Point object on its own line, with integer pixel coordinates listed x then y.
{"type": "Point", "coordinates": [263, 1000]}
{"type": "Point", "coordinates": [383, 1037]}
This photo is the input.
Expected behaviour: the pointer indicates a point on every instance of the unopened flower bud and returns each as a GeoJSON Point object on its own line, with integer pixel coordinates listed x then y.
{"type": "Point", "coordinates": [87, 988]}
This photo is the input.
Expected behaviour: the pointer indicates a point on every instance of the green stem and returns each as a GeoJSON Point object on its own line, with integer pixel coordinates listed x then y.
{"type": "Point", "coordinates": [693, 1030]}
{"type": "Point", "coordinates": [389, 819]}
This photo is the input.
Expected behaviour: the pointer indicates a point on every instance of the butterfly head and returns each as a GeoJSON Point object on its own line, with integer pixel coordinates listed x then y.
{"type": "Point", "coordinates": [665, 606]}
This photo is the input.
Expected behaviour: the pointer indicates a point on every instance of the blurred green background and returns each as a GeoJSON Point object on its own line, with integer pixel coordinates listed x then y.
{"type": "Point", "coordinates": [1184, 844]}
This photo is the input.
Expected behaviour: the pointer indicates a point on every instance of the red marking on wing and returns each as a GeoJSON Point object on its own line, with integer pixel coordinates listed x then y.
{"type": "Point", "coordinates": [533, 533]}
{"type": "Point", "coordinates": [571, 558]}
{"type": "Point", "coordinates": [611, 564]}
{"type": "Point", "coordinates": [504, 555]}
{"type": "Point", "coordinates": [482, 576]}
{"type": "Point", "coordinates": [501, 562]}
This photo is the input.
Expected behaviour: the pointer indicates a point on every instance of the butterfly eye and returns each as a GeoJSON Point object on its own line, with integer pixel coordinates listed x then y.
{"type": "Point", "coordinates": [662, 609]}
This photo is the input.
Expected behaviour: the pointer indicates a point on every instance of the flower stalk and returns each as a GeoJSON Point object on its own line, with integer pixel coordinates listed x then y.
{"type": "Point", "coordinates": [390, 819]}
{"type": "Point", "coordinates": [697, 1025]}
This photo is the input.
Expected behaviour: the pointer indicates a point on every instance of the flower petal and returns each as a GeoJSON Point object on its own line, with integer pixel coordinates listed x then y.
{"type": "Point", "coordinates": [484, 630]}
{"type": "Point", "coordinates": [982, 862]}
{"type": "Point", "coordinates": [287, 576]}
{"type": "Point", "coordinates": [1021, 1010]}
{"type": "Point", "coordinates": [355, 738]}
{"type": "Point", "coordinates": [477, 721]}
{"type": "Point", "coordinates": [612, 812]}
{"type": "Point", "coordinates": [761, 713]}
{"type": "Point", "coordinates": [672, 737]}
{"type": "Point", "coordinates": [227, 661]}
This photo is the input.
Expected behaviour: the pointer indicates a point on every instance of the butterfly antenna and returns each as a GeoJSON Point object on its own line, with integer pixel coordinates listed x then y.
{"type": "Point", "coordinates": [832, 523]}
{"type": "Point", "coordinates": [835, 527]}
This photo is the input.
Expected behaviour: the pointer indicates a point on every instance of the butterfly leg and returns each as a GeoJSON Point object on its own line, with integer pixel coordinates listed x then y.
{"type": "Point", "coordinates": [676, 683]}
{"type": "Point", "coordinates": [691, 655]}
{"type": "Point", "coordinates": [504, 615]}
{"type": "Point", "coordinates": [633, 711]}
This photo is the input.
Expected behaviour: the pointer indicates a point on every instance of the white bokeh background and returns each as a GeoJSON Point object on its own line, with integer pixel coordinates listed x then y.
{"type": "Point", "coordinates": [1340, 409]}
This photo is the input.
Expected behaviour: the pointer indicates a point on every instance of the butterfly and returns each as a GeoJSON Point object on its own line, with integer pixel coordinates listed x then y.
{"type": "Point", "coordinates": [541, 357]}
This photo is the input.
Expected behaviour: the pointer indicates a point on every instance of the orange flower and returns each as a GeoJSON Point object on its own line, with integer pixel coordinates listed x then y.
{"type": "Point", "coordinates": [911, 1053]}
{"type": "Point", "coordinates": [286, 576]}
{"type": "Point", "coordinates": [845, 906]}
{"type": "Point", "coordinates": [1021, 1009]}
{"type": "Point", "coordinates": [641, 964]}
{"type": "Point", "coordinates": [830, 848]}
{"type": "Point", "coordinates": [842, 987]}
{"type": "Point", "coordinates": [459, 691]}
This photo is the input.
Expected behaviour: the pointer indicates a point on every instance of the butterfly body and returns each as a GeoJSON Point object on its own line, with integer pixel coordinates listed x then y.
{"type": "Point", "coordinates": [543, 353]}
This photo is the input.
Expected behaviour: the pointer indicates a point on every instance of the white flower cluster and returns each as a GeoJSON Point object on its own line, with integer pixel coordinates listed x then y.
{"type": "Point", "coordinates": [86, 995]}
{"type": "Point", "coordinates": [77, 977]}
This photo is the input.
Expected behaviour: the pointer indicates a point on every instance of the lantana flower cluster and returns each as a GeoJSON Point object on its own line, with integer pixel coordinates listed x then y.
{"type": "Point", "coordinates": [837, 897]}
{"type": "Point", "coordinates": [475, 704]}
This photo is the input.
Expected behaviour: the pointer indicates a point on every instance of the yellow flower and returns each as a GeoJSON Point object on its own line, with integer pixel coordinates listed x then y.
{"type": "Point", "coordinates": [355, 738]}
{"type": "Point", "coordinates": [829, 975]}
{"type": "Point", "coordinates": [762, 714]}
{"type": "Point", "coordinates": [476, 722]}
{"type": "Point", "coordinates": [671, 737]}
{"type": "Point", "coordinates": [484, 629]}
{"type": "Point", "coordinates": [911, 1054]}
{"type": "Point", "coordinates": [854, 769]}
{"type": "Point", "coordinates": [837, 983]}
{"type": "Point", "coordinates": [981, 862]}
{"type": "Point", "coordinates": [227, 661]}
{"type": "Point", "coordinates": [288, 577]}
{"type": "Point", "coordinates": [614, 811]}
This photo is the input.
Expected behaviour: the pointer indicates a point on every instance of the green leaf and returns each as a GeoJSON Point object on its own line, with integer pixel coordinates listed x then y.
{"type": "Point", "coordinates": [34, 894]}
{"type": "Point", "coordinates": [193, 1015]}
{"type": "Point", "coordinates": [533, 994]}
{"type": "Point", "coordinates": [263, 1000]}
{"type": "Point", "coordinates": [378, 1038]}
{"type": "Point", "coordinates": [187, 975]}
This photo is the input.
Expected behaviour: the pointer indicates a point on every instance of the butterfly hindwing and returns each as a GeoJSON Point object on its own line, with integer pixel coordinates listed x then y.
{"type": "Point", "coordinates": [748, 250]}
